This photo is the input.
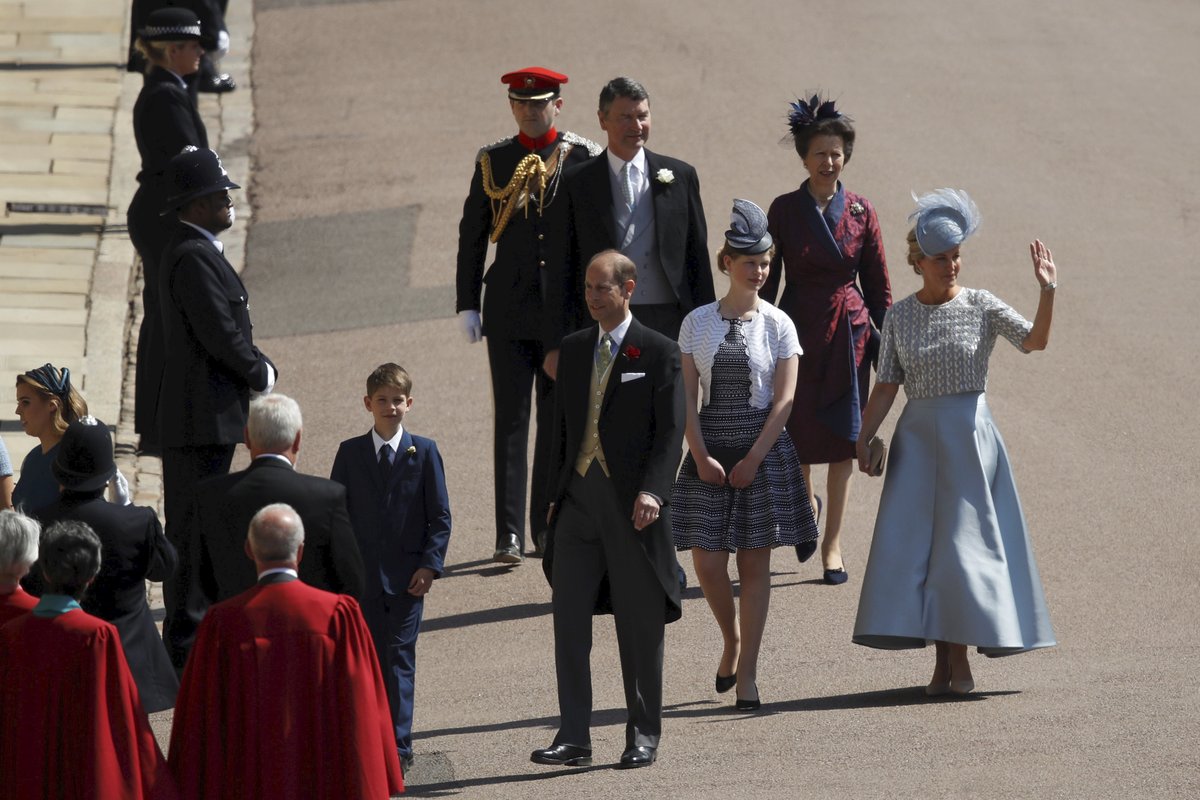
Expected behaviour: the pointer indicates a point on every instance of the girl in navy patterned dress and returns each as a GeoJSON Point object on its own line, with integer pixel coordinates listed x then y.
{"type": "Point", "coordinates": [740, 489]}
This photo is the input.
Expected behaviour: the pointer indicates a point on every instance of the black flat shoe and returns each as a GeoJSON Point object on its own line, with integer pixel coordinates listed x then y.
{"type": "Point", "coordinates": [836, 577]}
{"type": "Point", "coordinates": [563, 755]}
{"type": "Point", "coordinates": [805, 550]}
{"type": "Point", "coordinates": [725, 682]}
{"type": "Point", "coordinates": [636, 757]}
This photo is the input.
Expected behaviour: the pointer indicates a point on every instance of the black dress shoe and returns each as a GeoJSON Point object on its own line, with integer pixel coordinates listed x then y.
{"type": "Point", "coordinates": [509, 551]}
{"type": "Point", "coordinates": [725, 682]}
{"type": "Point", "coordinates": [636, 757]}
{"type": "Point", "coordinates": [218, 84]}
{"type": "Point", "coordinates": [539, 544]}
{"type": "Point", "coordinates": [563, 755]}
{"type": "Point", "coordinates": [406, 764]}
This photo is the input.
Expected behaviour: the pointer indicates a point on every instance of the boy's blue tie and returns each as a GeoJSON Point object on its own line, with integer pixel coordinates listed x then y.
{"type": "Point", "coordinates": [387, 457]}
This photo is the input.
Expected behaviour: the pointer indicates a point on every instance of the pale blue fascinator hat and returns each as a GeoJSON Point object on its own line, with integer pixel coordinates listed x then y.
{"type": "Point", "coordinates": [747, 232]}
{"type": "Point", "coordinates": [944, 219]}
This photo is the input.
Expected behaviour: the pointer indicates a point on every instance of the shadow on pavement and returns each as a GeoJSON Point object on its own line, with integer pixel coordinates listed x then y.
{"type": "Point", "coordinates": [600, 718]}
{"type": "Point", "coordinates": [487, 615]}
{"type": "Point", "coordinates": [452, 787]}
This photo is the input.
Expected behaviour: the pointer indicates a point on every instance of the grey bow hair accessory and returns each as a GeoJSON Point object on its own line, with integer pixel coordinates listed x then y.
{"type": "Point", "coordinates": [748, 229]}
{"type": "Point", "coordinates": [944, 219]}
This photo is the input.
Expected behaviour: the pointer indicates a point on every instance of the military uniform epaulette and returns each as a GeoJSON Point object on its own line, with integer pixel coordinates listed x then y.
{"type": "Point", "coordinates": [575, 139]}
{"type": "Point", "coordinates": [492, 146]}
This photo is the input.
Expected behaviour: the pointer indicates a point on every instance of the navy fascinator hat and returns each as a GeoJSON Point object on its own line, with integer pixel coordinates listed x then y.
{"type": "Point", "coordinates": [747, 232]}
{"type": "Point", "coordinates": [944, 219]}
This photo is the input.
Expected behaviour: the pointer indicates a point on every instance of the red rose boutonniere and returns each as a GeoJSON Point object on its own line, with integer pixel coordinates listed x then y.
{"type": "Point", "coordinates": [632, 353]}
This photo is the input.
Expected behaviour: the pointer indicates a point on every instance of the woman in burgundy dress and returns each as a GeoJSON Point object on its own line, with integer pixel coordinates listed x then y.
{"type": "Point", "coordinates": [830, 256]}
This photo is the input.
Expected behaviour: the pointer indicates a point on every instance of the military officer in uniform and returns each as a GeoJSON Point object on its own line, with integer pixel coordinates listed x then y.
{"type": "Point", "coordinates": [515, 203]}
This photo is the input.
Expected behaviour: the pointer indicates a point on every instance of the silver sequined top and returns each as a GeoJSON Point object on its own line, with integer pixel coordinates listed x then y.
{"type": "Point", "coordinates": [940, 350]}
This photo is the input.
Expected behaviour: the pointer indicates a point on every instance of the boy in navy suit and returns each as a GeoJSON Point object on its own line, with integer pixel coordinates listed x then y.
{"type": "Point", "coordinates": [396, 494]}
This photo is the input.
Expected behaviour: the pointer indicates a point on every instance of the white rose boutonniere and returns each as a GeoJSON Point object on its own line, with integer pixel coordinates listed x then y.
{"type": "Point", "coordinates": [412, 450]}
{"type": "Point", "coordinates": [665, 176]}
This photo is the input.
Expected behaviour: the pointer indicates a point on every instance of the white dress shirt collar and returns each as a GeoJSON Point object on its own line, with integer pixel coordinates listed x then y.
{"type": "Point", "coordinates": [207, 235]}
{"type": "Point", "coordinates": [638, 161]}
{"type": "Point", "coordinates": [617, 333]}
{"type": "Point", "coordinates": [274, 570]}
{"type": "Point", "coordinates": [394, 441]}
{"type": "Point", "coordinates": [279, 456]}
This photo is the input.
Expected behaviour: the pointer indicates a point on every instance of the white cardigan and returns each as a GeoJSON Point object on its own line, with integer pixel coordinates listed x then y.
{"type": "Point", "coordinates": [770, 335]}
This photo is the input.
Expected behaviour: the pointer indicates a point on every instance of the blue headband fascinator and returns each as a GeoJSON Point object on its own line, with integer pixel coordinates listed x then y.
{"type": "Point", "coordinates": [802, 114]}
{"type": "Point", "coordinates": [56, 382]}
{"type": "Point", "coordinates": [944, 219]}
{"type": "Point", "coordinates": [748, 229]}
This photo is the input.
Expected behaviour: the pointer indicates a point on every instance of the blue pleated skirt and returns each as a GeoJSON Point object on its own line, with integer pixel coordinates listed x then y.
{"type": "Point", "coordinates": [951, 558]}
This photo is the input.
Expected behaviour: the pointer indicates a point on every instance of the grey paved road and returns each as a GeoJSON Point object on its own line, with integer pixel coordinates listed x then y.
{"type": "Point", "coordinates": [1074, 122]}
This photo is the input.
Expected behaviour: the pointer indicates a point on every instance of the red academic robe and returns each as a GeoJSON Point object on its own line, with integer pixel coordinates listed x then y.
{"type": "Point", "coordinates": [16, 604]}
{"type": "Point", "coordinates": [282, 697]}
{"type": "Point", "coordinates": [73, 723]}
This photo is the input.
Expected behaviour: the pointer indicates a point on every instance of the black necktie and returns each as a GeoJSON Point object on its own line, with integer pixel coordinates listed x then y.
{"type": "Point", "coordinates": [386, 459]}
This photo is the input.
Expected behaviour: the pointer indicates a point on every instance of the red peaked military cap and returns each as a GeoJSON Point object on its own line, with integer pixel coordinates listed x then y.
{"type": "Point", "coordinates": [533, 83]}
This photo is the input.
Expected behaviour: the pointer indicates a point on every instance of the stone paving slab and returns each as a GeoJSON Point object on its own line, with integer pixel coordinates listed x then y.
{"type": "Point", "coordinates": [82, 240]}
{"type": "Point", "coordinates": [40, 256]}
{"type": "Point", "coordinates": [16, 269]}
{"type": "Point", "coordinates": [38, 285]}
{"type": "Point", "coordinates": [11, 97]}
{"type": "Point", "coordinates": [37, 145]}
{"type": "Point", "coordinates": [46, 300]}
{"type": "Point", "coordinates": [43, 316]}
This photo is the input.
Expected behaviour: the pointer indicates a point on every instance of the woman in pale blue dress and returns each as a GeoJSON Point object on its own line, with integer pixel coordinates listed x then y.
{"type": "Point", "coordinates": [951, 561]}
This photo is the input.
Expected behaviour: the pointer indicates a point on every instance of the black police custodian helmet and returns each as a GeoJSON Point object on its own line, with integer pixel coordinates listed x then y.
{"type": "Point", "coordinates": [85, 456]}
{"type": "Point", "coordinates": [195, 172]}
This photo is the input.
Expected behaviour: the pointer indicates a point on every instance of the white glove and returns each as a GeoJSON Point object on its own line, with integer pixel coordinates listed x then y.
{"type": "Point", "coordinates": [271, 376]}
{"type": "Point", "coordinates": [471, 325]}
{"type": "Point", "coordinates": [118, 490]}
{"type": "Point", "coordinates": [222, 45]}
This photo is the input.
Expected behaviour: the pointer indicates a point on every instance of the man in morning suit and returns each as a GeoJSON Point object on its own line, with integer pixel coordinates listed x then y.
{"type": "Point", "coordinates": [212, 365]}
{"type": "Point", "coordinates": [214, 566]}
{"type": "Point", "coordinates": [282, 696]}
{"type": "Point", "coordinates": [514, 202]}
{"type": "Point", "coordinates": [644, 204]}
{"type": "Point", "coordinates": [619, 411]}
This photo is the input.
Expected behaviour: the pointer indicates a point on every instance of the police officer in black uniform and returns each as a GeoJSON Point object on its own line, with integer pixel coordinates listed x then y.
{"type": "Point", "coordinates": [212, 364]}
{"type": "Point", "coordinates": [517, 201]}
{"type": "Point", "coordinates": [165, 120]}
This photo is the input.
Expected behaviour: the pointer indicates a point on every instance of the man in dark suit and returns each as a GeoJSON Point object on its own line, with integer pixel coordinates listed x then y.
{"type": "Point", "coordinates": [644, 204]}
{"type": "Point", "coordinates": [511, 206]}
{"type": "Point", "coordinates": [619, 409]}
{"type": "Point", "coordinates": [214, 565]}
{"type": "Point", "coordinates": [134, 551]}
{"type": "Point", "coordinates": [212, 365]}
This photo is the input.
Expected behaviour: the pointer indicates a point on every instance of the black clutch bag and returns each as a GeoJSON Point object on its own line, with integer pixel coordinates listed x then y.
{"type": "Point", "coordinates": [727, 457]}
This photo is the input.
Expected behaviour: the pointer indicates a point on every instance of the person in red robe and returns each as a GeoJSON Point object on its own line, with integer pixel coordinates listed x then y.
{"type": "Point", "coordinates": [74, 726]}
{"type": "Point", "coordinates": [282, 695]}
{"type": "Point", "coordinates": [18, 550]}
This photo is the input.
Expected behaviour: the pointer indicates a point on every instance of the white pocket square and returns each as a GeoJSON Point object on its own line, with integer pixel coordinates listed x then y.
{"type": "Point", "coordinates": [626, 377]}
